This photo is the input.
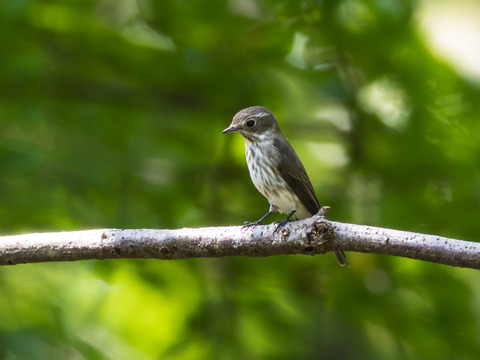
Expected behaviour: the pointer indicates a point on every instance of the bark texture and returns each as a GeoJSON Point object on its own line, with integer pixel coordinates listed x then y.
{"type": "Point", "coordinates": [316, 235]}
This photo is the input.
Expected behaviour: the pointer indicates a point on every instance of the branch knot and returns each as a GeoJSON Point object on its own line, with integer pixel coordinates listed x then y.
{"type": "Point", "coordinates": [319, 235]}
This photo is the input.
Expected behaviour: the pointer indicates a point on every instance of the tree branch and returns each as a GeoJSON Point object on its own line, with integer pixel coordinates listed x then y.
{"type": "Point", "coordinates": [316, 235]}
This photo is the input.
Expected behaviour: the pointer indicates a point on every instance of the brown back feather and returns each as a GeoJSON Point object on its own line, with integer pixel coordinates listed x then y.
{"type": "Point", "coordinates": [291, 169]}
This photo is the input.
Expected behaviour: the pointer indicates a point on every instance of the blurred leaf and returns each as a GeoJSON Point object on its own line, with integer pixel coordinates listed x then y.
{"type": "Point", "coordinates": [111, 115]}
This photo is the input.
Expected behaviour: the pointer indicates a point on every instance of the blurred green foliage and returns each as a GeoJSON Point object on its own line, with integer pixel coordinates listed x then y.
{"type": "Point", "coordinates": [111, 114]}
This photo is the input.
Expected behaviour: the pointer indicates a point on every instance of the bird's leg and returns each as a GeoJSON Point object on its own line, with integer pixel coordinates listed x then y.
{"type": "Point", "coordinates": [284, 221]}
{"type": "Point", "coordinates": [258, 222]}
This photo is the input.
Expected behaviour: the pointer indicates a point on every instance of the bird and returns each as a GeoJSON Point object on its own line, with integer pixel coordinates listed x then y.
{"type": "Point", "coordinates": [275, 169]}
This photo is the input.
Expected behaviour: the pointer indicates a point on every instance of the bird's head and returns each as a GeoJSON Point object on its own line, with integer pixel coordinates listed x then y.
{"type": "Point", "coordinates": [254, 123]}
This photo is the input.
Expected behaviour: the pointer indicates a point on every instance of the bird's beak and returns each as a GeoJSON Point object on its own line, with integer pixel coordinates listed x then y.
{"type": "Point", "coordinates": [229, 129]}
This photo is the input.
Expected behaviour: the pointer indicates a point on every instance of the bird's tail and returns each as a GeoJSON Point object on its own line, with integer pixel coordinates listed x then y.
{"type": "Point", "coordinates": [341, 258]}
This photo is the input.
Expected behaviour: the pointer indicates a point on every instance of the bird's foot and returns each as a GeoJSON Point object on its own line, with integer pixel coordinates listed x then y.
{"type": "Point", "coordinates": [248, 224]}
{"type": "Point", "coordinates": [282, 223]}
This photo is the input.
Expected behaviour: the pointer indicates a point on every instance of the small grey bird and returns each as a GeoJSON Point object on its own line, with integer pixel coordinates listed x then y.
{"type": "Point", "coordinates": [275, 168]}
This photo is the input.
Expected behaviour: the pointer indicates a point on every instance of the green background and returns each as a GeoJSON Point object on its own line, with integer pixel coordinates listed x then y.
{"type": "Point", "coordinates": [111, 115]}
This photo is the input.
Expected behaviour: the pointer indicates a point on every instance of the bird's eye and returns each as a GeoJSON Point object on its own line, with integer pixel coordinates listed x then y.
{"type": "Point", "coordinates": [250, 123]}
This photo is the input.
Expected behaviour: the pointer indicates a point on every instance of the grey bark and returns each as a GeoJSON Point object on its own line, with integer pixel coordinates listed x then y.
{"type": "Point", "coordinates": [316, 235]}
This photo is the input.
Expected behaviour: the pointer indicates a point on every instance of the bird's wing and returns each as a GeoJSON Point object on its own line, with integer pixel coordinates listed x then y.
{"type": "Point", "coordinates": [291, 169]}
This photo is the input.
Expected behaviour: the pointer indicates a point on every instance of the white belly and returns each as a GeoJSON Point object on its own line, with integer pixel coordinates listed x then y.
{"type": "Point", "coordinates": [272, 186]}
{"type": "Point", "coordinates": [286, 201]}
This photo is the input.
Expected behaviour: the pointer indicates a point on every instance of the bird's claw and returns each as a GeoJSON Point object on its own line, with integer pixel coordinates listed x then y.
{"type": "Point", "coordinates": [280, 224]}
{"type": "Point", "coordinates": [248, 224]}
{"type": "Point", "coordinates": [283, 222]}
